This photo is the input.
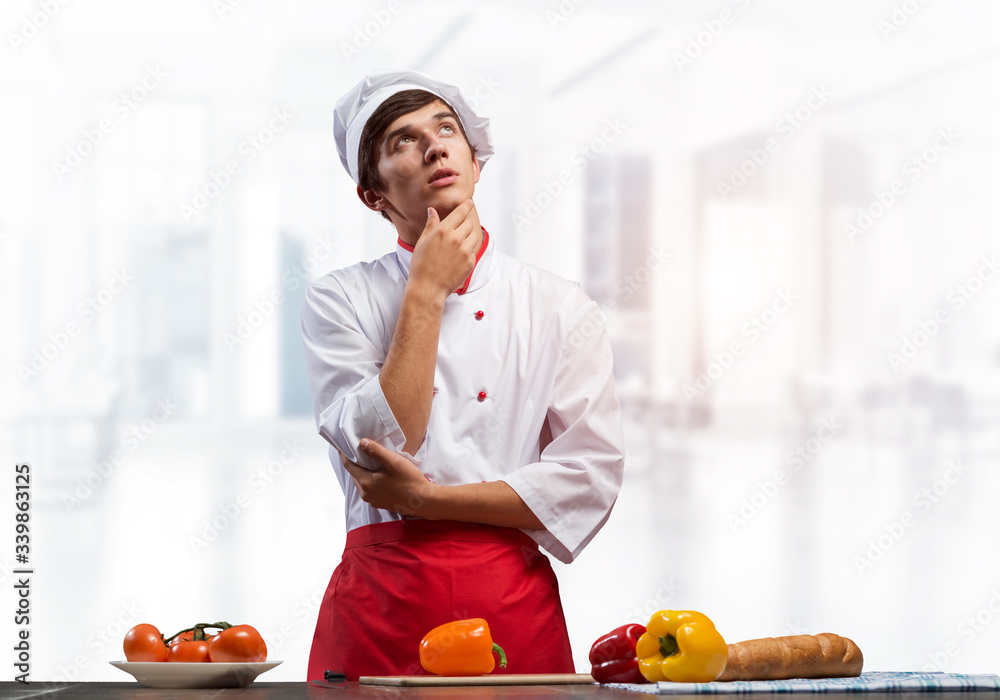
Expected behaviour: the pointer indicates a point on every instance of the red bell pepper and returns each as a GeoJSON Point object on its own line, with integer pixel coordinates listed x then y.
{"type": "Point", "coordinates": [613, 658]}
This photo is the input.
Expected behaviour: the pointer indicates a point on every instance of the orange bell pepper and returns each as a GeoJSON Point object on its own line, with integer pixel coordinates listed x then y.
{"type": "Point", "coordinates": [460, 648]}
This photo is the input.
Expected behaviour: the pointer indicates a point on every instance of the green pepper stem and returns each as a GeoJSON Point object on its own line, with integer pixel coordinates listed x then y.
{"type": "Point", "coordinates": [668, 645]}
{"type": "Point", "coordinates": [503, 656]}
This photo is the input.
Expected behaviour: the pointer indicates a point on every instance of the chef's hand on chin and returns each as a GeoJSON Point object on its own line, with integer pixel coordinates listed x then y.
{"type": "Point", "coordinates": [398, 486]}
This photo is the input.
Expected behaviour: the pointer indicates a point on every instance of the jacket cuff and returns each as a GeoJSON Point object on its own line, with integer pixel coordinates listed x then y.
{"type": "Point", "coordinates": [555, 538]}
{"type": "Point", "coordinates": [372, 398]}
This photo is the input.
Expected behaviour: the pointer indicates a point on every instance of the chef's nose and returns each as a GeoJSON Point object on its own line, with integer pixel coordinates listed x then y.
{"type": "Point", "coordinates": [436, 149]}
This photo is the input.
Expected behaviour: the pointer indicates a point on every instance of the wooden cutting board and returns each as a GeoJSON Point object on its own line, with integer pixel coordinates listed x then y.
{"type": "Point", "coordinates": [489, 679]}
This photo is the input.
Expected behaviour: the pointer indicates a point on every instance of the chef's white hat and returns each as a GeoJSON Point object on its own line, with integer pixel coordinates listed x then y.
{"type": "Point", "coordinates": [360, 102]}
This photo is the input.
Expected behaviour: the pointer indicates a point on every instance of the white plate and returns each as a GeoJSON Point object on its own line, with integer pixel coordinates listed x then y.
{"type": "Point", "coordinates": [177, 674]}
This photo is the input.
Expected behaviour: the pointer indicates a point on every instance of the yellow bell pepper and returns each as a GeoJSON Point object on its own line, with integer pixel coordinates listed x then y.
{"type": "Point", "coordinates": [681, 646]}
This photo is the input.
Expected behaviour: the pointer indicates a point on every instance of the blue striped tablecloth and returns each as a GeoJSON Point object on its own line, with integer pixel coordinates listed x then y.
{"type": "Point", "coordinates": [872, 682]}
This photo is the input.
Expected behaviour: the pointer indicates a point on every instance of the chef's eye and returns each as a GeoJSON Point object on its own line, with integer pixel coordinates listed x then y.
{"type": "Point", "coordinates": [449, 127]}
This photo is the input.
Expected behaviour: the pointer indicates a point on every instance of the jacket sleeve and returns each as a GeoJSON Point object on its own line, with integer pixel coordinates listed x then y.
{"type": "Point", "coordinates": [575, 483]}
{"type": "Point", "coordinates": [343, 364]}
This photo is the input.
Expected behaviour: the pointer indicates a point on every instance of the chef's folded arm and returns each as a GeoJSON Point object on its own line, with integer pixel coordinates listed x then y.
{"type": "Point", "coordinates": [575, 483]}
{"type": "Point", "coordinates": [343, 368]}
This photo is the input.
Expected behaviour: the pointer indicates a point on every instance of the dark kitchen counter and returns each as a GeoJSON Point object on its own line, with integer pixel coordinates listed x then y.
{"type": "Point", "coordinates": [268, 691]}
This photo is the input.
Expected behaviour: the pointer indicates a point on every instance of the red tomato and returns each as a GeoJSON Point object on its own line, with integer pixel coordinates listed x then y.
{"type": "Point", "coordinates": [237, 644]}
{"type": "Point", "coordinates": [189, 651]}
{"type": "Point", "coordinates": [144, 643]}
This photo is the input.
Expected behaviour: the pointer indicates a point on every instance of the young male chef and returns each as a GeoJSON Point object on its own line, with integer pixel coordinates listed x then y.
{"type": "Point", "coordinates": [468, 399]}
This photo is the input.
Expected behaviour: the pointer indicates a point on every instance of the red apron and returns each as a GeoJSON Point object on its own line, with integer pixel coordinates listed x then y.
{"type": "Point", "coordinates": [398, 580]}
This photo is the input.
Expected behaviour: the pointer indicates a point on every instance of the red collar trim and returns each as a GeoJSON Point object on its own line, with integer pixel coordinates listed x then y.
{"type": "Point", "coordinates": [482, 249]}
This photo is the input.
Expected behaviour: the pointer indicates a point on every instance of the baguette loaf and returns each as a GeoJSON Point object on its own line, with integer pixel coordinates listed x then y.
{"type": "Point", "coordinates": [799, 656]}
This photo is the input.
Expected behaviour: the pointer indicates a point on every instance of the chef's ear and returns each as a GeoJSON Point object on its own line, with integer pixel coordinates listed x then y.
{"type": "Point", "coordinates": [475, 168]}
{"type": "Point", "coordinates": [372, 199]}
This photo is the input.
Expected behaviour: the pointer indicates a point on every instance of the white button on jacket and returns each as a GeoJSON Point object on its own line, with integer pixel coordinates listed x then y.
{"type": "Point", "coordinates": [549, 424]}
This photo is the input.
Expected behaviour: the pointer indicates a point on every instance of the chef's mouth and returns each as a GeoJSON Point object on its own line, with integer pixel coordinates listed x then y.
{"type": "Point", "coordinates": [442, 174]}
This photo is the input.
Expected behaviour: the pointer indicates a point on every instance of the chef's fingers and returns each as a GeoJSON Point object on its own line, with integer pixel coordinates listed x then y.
{"type": "Point", "coordinates": [468, 232]}
{"type": "Point", "coordinates": [394, 465]}
{"type": "Point", "coordinates": [459, 220]}
{"type": "Point", "coordinates": [459, 213]}
{"type": "Point", "coordinates": [383, 455]}
{"type": "Point", "coordinates": [350, 467]}
{"type": "Point", "coordinates": [355, 469]}
{"type": "Point", "coordinates": [469, 227]}
{"type": "Point", "coordinates": [346, 462]}
{"type": "Point", "coordinates": [364, 481]}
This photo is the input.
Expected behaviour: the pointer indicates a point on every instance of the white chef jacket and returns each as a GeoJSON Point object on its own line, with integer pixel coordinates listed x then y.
{"type": "Point", "coordinates": [523, 389]}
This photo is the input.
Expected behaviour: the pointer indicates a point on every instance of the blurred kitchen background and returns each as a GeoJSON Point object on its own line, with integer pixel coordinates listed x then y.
{"type": "Point", "coordinates": [788, 212]}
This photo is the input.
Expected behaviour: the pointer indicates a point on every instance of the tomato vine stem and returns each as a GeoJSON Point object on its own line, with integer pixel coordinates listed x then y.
{"type": "Point", "coordinates": [199, 631]}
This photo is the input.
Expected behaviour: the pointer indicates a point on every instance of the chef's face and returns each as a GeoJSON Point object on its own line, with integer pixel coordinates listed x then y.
{"type": "Point", "coordinates": [425, 161]}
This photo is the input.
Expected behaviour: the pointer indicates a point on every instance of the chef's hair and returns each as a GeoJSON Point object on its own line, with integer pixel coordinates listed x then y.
{"type": "Point", "coordinates": [403, 102]}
